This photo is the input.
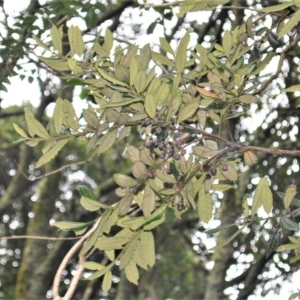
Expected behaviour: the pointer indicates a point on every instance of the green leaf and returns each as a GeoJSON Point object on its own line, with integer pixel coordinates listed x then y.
{"type": "Point", "coordinates": [70, 226]}
{"type": "Point", "coordinates": [40, 43]}
{"type": "Point", "coordinates": [110, 78]}
{"type": "Point", "coordinates": [124, 180]}
{"type": "Point", "coordinates": [125, 204]}
{"type": "Point", "coordinates": [132, 272]}
{"type": "Point", "coordinates": [294, 296]}
{"type": "Point", "coordinates": [133, 70]}
{"type": "Point", "coordinates": [107, 141]}
{"type": "Point", "coordinates": [58, 115]}
{"type": "Point", "coordinates": [86, 192]}
{"type": "Point", "coordinates": [52, 152]}
{"type": "Point", "coordinates": [161, 59]}
{"type": "Point", "coordinates": [181, 54]}
{"type": "Point", "coordinates": [75, 39]}
{"type": "Point", "coordinates": [148, 204]}
{"type": "Point", "coordinates": [91, 265]}
{"type": "Point", "coordinates": [110, 243]}
{"type": "Point", "coordinates": [71, 119]}
{"type": "Point", "coordinates": [279, 7]}
{"type": "Point", "coordinates": [187, 111]}
{"type": "Point", "coordinates": [287, 247]}
{"type": "Point", "coordinates": [293, 88]}
{"type": "Point", "coordinates": [139, 169]}
{"type": "Point", "coordinates": [293, 21]}
{"type": "Point", "coordinates": [248, 99]}
{"type": "Point", "coordinates": [127, 254]}
{"type": "Point", "coordinates": [289, 224]}
{"type": "Point", "coordinates": [150, 106]}
{"type": "Point", "coordinates": [91, 205]}
{"type": "Point", "coordinates": [290, 193]}
{"type": "Point", "coordinates": [140, 81]}
{"type": "Point", "coordinates": [101, 272]}
{"type": "Point", "coordinates": [164, 44]}
{"type": "Point", "coordinates": [227, 42]}
{"type": "Point", "coordinates": [219, 228]}
{"type": "Point", "coordinates": [267, 198]}
{"type": "Point", "coordinates": [20, 131]}
{"type": "Point", "coordinates": [147, 247]}
{"type": "Point", "coordinates": [231, 173]}
{"type": "Point", "coordinates": [55, 64]}
{"type": "Point", "coordinates": [108, 41]}
{"type": "Point", "coordinates": [34, 126]}
{"type": "Point", "coordinates": [204, 205]}
{"type": "Point", "coordinates": [257, 199]}
{"type": "Point", "coordinates": [56, 35]}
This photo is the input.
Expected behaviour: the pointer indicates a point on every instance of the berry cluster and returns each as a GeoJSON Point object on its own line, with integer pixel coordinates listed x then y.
{"type": "Point", "coordinates": [168, 140]}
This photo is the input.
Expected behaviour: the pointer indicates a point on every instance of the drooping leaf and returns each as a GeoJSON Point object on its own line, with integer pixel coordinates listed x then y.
{"type": "Point", "coordinates": [127, 255]}
{"type": "Point", "coordinates": [181, 55]}
{"type": "Point", "coordinates": [52, 152]}
{"type": "Point", "coordinates": [124, 180]}
{"type": "Point", "coordinates": [267, 198]}
{"type": "Point", "coordinates": [150, 106]}
{"type": "Point", "coordinates": [34, 126]}
{"type": "Point", "coordinates": [19, 130]}
{"type": "Point", "coordinates": [293, 21]}
{"type": "Point", "coordinates": [56, 35]}
{"type": "Point", "coordinates": [107, 141]}
{"type": "Point", "coordinates": [148, 204]}
{"type": "Point", "coordinates": [290, 193]}
{"type": "Point", "coordinates": [289, 224]}
{"type": "Point", "coordinates": [187, 111]}
{"type": "Point", "coordinates": [147, 247]}
{"type": "Point", "coordinates": [58, 115]}
{"type": "Point", "coordinates": [132, 272]}
{"type": "Point", "coordinates": [75, 40]}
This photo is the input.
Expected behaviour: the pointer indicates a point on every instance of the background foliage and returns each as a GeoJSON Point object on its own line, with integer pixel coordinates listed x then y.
{"type": "Point", "coordinates": [178, 177]}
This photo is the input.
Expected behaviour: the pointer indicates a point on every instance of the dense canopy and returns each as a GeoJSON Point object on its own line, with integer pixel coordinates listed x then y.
{"type": "Point", "coordinates": [161, 159]}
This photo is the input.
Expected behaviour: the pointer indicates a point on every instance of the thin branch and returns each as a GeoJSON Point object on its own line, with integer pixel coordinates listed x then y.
{"type": "Point", "coordinates": [36, 237]}
{"type": "Point", "coordinates": [162, 5]}
{"type": "Point", "coordinates": [65, 261]}
{"type": "Point", "coordinates": [280, 63]}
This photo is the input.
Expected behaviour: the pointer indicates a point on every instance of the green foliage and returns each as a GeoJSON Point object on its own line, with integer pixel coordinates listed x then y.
{"type": "Point", "coordinates": [180, 165]}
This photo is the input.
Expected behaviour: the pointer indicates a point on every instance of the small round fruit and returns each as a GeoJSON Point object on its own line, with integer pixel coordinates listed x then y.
{"type": "Point", "coordinates": [178, 144]}
{"type": "Point", "coordinates": [161, 145]}
{"type": "Point", "coordinates": [162, 155]}
{"type": "Point", "coordinates": [155, 143]}
{"type": "Point", "coordinates": [224, 167]}
{"type": "Point", "coordinates": [177, 189]}
{"type": "Point", "coordinates": [182, 152]}
{"type": "Point", "coordinates": [213, 171]}
{"type": "Point", "coordinates": [180, 207]}
{"type": "Point", "coordinates": [169, 171]}
{"type": "Point", "coordinates": [176, 156]}
{"type": "Point", "coordinates": [150, 174]}
{"type": "Point", "coordinates": [135, 190]}
{"type": "Point", "coordinates": [149, 143]}
{"type": "Point", "coordinates": [207, 176]}
{"type": "Point", "coordinates": [176, 134]}
{"type": "Point", "coordinates": [158, 130]}
{"type": "Point", "coordinates": [147, 122]}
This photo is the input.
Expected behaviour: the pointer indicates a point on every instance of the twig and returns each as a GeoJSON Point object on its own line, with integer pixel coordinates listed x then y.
{"type": "Point", "coordinates": [162, 5]}
{"type": "Point", "coordinates": [69, 255]}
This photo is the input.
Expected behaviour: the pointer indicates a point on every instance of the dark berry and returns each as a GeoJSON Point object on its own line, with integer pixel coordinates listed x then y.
{"type": "Point", "coordinates": [158, 130]}
{"type": "Point", "coordinates": [155, 143]}
{"type": "Point", "coordinates": [224, 167]}
{"type": "Point", "coordinates": [135, 190]}
{"type": "Point", "coordinates": [147, 122]}
{"type": "Point", "coordinates": [176, 156]}
{"type": "Point", "coordinates": [176, 134]}
{"type": "Point", "coordinates": [207, 176]}
{"type": "Point", "coordinates": [182, 152]}
{"type": "Point", "coordinates": [162, 155]}
{"type": "Point", "coordinates": [161, 145]}
{"type": "Point", "coordinates": [172, 127]}
{"type": "Point", "coordinates": [177, 189]}
{"type": "Point", "coordinates": [178, 144]}
{"type": "Point", "coordinates": [213, 171]}
{"type": "Point", "coordinates": [149, 143]}
{"type": "Point", "coordinates": [150, 174]}
{"type": "Point", "coordinates": [180, 207]}
{"type": "Point", "coordinates": [169, 171]}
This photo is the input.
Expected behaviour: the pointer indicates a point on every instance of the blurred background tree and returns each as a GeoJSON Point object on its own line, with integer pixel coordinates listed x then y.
{"type": "Point", "coordinates": [30, 203]}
